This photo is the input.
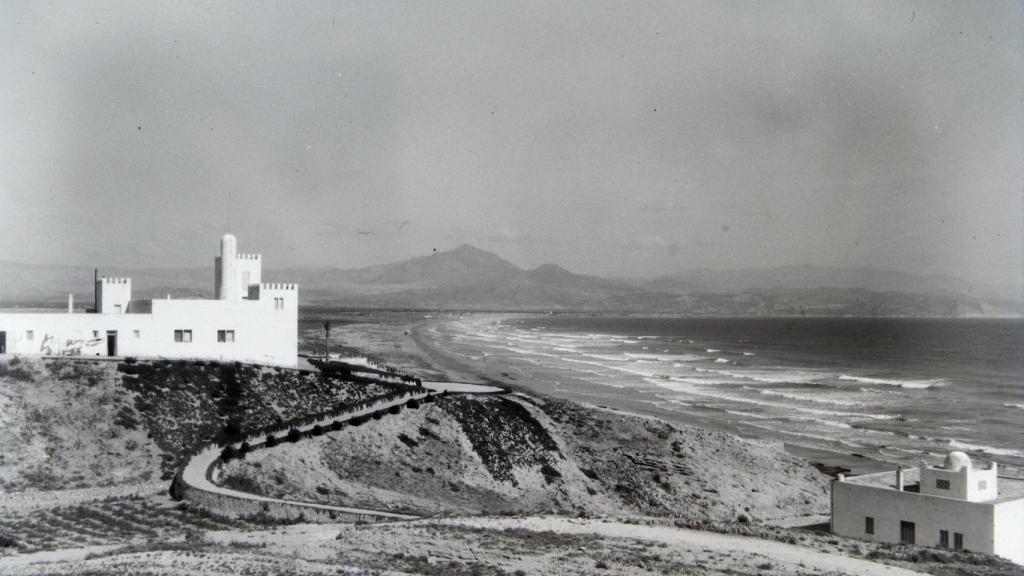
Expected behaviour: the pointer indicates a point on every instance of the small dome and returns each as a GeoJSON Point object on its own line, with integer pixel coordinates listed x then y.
{"type": "Point", "coordinates": [956, 460]}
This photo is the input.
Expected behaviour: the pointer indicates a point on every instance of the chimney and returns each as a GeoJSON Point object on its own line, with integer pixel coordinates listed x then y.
{"type": "Point", "coordinates": [71, 302]}
{"type": "Point", "coordinates": [899, 478]}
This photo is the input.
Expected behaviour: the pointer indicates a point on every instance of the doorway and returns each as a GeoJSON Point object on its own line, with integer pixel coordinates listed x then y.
{"type": "Point", "coordinates": [111, 342]}
{"type": "Point", "coordinates": [3, 342]}
{"type": "Point", "coordinates": [906, 532]}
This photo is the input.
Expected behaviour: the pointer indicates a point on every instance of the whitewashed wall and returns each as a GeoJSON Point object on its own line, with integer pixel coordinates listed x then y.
{"type": "Point", "coordinates": [852, 502]}
{"type": "Point", "coordinates": [263, 333]}
{"type": "Point", "coordinates": [1009, 530]}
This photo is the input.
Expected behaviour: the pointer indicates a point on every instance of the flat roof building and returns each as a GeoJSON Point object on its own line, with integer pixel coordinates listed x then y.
{"type": "Point", "coordinates": [953, 506]}
{"type": "Point", "coordinates": [249, 320]}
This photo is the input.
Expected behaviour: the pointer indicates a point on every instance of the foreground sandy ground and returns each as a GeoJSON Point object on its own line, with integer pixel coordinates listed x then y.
{"type": "Point", "coordinates": [521, 545]}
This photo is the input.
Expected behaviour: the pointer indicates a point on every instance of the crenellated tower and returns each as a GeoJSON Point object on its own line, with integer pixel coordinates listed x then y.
{"type": "Point", "coordinates": [234, 273]}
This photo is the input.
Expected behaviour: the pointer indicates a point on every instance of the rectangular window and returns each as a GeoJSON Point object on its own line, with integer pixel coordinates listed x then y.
{"type": "Point", "coordinates": [944, 538]}
{"type": "Point", "coordinates": [117, 308]}
{"type": "Point", "coordinates": [983, 485]}
{"type": "Point", "coordinates": [136, 333]}
{"type": "Point", "coordinates": [958, 541]}
{"type": "Point", "coordinates": [182, 335]}
{"type": "Point", "coordinates": [869, 525]}
{"type": "Point", "coordinates": [30, 335]}
{"type": "Point", "coordinates": [279, 303]}
{"type": "Point", "coordinates": [95, 333]}
{"type": "Point", "coordinates": [225, 335]}
{"type": "Point", "coordinates": [942, 484]}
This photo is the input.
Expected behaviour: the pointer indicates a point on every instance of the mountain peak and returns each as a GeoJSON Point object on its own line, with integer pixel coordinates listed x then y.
{"type": "Point", "coordinates": [468, 249]}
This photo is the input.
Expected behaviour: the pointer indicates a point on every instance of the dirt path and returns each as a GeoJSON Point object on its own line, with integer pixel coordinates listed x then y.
{"type": "Point", "coordinates": [779, 553]}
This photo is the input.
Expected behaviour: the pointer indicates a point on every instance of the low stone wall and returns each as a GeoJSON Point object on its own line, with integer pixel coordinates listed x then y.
{"type": "Point", "coordinates": [233, 506]}
{"type": "Point", "coordinates": [194, 482]}
{"type": "Point", "coordinates": [37, 500]}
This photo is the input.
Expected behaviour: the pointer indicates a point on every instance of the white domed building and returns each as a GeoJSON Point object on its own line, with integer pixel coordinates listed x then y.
{"type": "Point", "coordinates": [248, 320]}
{"type": "Point", "coordinates": [956, 505]}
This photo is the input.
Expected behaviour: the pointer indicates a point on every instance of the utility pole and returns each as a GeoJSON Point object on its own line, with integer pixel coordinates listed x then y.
{"type": "Point", "coordinates": [327, 341]}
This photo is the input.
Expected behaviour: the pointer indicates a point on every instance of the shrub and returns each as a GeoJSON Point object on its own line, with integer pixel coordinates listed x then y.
{"type": "Point", "coordinates": [16, 371]}
{"type": "Point", "coordinates": [294, 435]}
{"type": "Point", "coordinates": [549, 472]}
{"type": "Point", "coordinates": [232, 429]}
{"type": "Point", "coordinates": [271, 441]}
{"type": "Point", "coordinates": [130, 360]}
{"type": "Point", "coordinates": [126, 419]}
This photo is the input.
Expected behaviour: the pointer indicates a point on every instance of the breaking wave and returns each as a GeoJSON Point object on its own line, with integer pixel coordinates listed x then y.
{"type": "Point", "coordinates": [894, 382]}
{"type": "Point", "coordinates": [986, 449]}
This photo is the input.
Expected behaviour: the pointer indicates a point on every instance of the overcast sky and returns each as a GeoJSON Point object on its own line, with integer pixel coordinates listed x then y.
{"type": "Point", "coordinates": [617, 138]}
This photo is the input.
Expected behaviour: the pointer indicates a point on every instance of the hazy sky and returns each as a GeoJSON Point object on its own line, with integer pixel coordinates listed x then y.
{"type": "Point", "coordinates": [618, 138]}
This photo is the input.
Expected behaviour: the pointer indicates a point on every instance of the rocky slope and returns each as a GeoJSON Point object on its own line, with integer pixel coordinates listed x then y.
{"type": "Point", "coordinates": [79, 423]}
{"type": "Point", "coordinates": [528, 455]}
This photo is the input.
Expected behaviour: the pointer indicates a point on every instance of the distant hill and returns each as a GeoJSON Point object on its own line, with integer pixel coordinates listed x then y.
{"type": "Point", "coordinates": [811, 277]}
{"type": "Point", "coordinates": [468, 278]}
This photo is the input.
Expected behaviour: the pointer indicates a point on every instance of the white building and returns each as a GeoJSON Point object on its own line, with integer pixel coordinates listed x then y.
{"type": "Point", "coordinates": [248, 321]}
{"type": "Point", "coordinates": [953, 506]}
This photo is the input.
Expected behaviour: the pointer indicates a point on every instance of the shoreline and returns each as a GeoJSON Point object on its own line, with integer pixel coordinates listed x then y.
{"type": "Point", "coordinates": [828, 461]}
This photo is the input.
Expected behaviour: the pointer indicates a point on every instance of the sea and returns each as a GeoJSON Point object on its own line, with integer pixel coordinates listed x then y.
{"type": "Point", "coordinates": [893, 390]}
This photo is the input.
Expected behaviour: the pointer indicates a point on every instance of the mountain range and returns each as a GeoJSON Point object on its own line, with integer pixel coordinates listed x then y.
{"type": "Point", "coordinates": [468, 278]}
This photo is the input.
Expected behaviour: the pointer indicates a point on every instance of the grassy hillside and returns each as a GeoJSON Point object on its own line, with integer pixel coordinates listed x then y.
{"type": "Point", "coordinates": [68, 423]}
{"type": "Point", "coordinates": [522, 454]}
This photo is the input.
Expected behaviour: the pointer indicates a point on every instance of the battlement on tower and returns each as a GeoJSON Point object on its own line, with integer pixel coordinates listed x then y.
{"type": "Point", "coordinates": [278, 286]}
{"type": "Point", "coordinates": [112, 294]}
